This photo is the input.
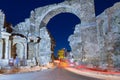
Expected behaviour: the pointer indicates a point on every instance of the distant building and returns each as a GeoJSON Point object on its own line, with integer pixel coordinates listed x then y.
{"type": "Point", "coordinates": [61, 54]}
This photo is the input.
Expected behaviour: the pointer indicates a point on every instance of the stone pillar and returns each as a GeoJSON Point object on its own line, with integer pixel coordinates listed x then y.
{"type": "Point", "coordinates": [1, 48]}
{"type": "Point", "coordinates": [5, 36]}
{"type": "Point", "coordinates": [87, 13]}
{"type": "Point", "coordinates": [2, 18]}
{"type": "Point", "coordinates": [25, 54]}
{"type": "Point", "coordinates": [6, 48]}
{"type": "Point", "coordinates": [9, 48]}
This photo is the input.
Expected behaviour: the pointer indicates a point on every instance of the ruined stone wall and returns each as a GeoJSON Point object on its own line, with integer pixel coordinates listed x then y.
{"type": "Point", "coordinates": [41, 51]}
{"type": "Point", "coordinates": [4, 42]}
{"type": "Point", "coordinates": [76, 43]}
{"type": "Point", "coordinates": [99, 45]}
{"type": "Point", "coordinates": [92, 43]}
{"type": "Point", "coordinates": [22, 28]}
{"type": "Point", "coordinates": [34, 27]}
{"type": "Point", "coordinates": [84, 44]}
{"type": "Point", "coordinates": [39, 18]}
{"type": "Point", "coordinates": [108, 25]}
{"type": "Point", "coordinates": [45, 47]}
{"type": "Point", "coordinates": [2, 18]}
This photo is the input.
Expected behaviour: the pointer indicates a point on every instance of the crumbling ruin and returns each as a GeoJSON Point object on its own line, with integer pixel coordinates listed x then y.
{"type": "Point", "coordinates": [95, 40]}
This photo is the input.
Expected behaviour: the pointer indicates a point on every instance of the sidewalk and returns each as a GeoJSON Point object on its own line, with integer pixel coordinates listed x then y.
{"type": "Point", "coordinates": [24, 69]}
{"type": "Point", "coordinates": [94, 74]}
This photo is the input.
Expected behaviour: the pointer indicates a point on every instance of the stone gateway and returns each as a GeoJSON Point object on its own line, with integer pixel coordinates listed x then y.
{"type": "Point", "coordinates": [95, 40]}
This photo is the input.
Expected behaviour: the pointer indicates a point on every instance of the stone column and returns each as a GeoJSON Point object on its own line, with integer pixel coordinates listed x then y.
{"type": "Point", "coordinates": [1, 48]}
{"type": "Point", "coordinates": [25, 54]}
{"type": "Point", "coordinates": [9, 48]}
{"type": "Point", "coordinates": [6, 48]}
{"type": "Point", "coordinates": [5, 36]}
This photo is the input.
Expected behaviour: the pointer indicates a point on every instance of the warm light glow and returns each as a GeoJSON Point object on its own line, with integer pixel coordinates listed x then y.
{"type": "Point", "coordinates": [56, 61]}
{"type": "Point", "coordinates": [63, 64]}
{"type": "Point", "coordinates": [98, 70]}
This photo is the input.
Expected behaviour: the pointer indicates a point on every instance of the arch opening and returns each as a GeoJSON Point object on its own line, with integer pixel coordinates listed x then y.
{"type": "Point", "coordinates": [61, 26]}
{"type": "Point", "coordinates": [18, 50]}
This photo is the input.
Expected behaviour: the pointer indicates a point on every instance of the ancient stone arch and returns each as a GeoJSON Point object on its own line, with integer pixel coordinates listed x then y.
{"type": "Point", "coordinates": [83, 9]}
{"type": "Point", "coordinates": [93, 38]}
{"type": "Point", "coordinates": [39, 18]}
{"type": "Point", "coordinates": [19, 49]}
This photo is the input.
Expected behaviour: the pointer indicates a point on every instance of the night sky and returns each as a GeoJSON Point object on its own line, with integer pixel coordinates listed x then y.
{"type": "Point", "coordinates": [60, 26]}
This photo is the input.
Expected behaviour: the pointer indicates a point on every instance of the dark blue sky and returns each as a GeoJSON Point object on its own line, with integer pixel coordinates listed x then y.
{"type": "Point", "coordinates": [60, 26]}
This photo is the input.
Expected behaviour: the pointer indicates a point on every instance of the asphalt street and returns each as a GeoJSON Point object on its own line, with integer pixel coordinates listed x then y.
{"type": "Point", "coordinates": [51, 74]}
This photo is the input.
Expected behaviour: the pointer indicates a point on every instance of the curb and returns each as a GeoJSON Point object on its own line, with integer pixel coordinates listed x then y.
{"type": "Point", "coordinates": [27, 71]}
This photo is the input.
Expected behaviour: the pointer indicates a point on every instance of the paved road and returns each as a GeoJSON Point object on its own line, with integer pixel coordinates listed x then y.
{"type": "Point", "coordinates": [52, 74]}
